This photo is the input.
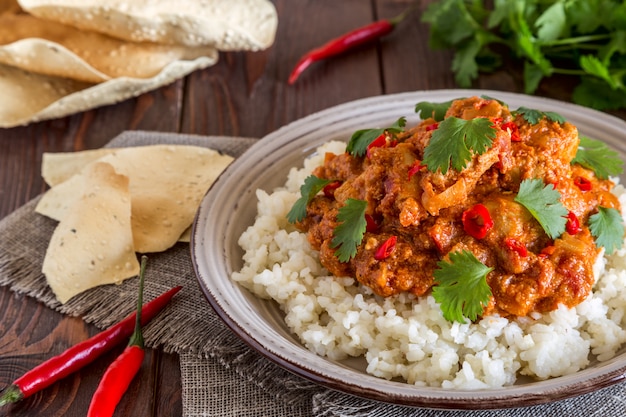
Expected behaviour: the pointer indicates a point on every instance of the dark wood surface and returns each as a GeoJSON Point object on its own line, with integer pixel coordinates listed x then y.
{"type": "Point", "coordinates": [245, 94]}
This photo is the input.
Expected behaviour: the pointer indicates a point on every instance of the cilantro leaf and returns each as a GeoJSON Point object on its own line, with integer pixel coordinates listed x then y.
{"type": "Point", "coordinates": [608, 228]}
{"type": "Point", "coordinates": [543, 202]}
{"type": "Point", "coordinates": [428, 109]}
{"type": "Point", "coordinates": [593, 66]}
{"type": "Point", "coordinates": [578, 38]}
{"type": "Point", "coordinates": [462, 289]}
{"type": "Point", "coordinates": [312, 185]}
{"type": "Point", "coordinates": [598, 157]}
{"type": "Point", "coordinates": [349, 234]}
{"type": "Point", "coordinates": [454, 141]}
{"type": "Point", "coordinates": [533, 116]}
{"type": "Point", "coordinates": [360, 139]}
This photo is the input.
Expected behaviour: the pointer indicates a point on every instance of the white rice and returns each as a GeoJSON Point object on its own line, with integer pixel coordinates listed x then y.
{"type": "Point", "coordinates": [407, 337]}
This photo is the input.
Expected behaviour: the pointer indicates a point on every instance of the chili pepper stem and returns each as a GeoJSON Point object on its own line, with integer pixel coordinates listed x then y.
{"type": "Point", "coordinates": [137, 336]}
{"type": "Point", "coordinates": [11, 394]}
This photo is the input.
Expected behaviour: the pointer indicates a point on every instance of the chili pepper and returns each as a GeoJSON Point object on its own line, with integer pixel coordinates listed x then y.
{"type": "Point", "coordinates": [477, 221]}
{"type": "Point", "coordinates": [432, 127]}
{"type": "Point", "coordinates": [384, 251]}
{"type": "Point", "coordinates": [516, 246]}
{"type": "Point", "coordinates": [583, 183]}
{"type": "Point", "coordinates": [348, 41]}
{"type": "Point", "coordinates": [371, 225]}
{"type": "Point", "coordinates": [379, 142]}
{"type": "Point", "coordinates": [81, 354]}
{"type": "Point", "coordinates": [513, 131]}
{"type": "Point", "coordinates": [121, 372]}
{"type": "Point", "coordinates": [329, 190]}
{"type": "Point", "coordinates": [573, 225]}
{"type": "Point", "coordinates": [415, 168]}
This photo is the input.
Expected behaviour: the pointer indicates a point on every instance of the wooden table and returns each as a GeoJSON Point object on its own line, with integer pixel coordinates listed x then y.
{"type": "Point", "coordinates": [245, 94]}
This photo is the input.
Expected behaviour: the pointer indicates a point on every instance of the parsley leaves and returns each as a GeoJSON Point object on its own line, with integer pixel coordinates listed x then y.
{"type": "Point", "coordinates": [428, 109]}
{"type": "Point", "coordinates": [454, 141]}
{"type": "Point", "coordinates": [543, 202]}
{"type": "Point", "coordinates": [462, 289]}
{"type": "Point", "coordinates": [584, 39]}
{"type": "Point", "coordinates": [360, 139]}
{"type": "Point", "coordinates": [533, 116]}
{"type": "Point", "coordinates": [349, 234]}
{"type": "Point", "coordinates": [598, 157]}
{"type": "Point", "coordinates": [312, 185]}
{"type": "Point", "coordinates": [608, 228]}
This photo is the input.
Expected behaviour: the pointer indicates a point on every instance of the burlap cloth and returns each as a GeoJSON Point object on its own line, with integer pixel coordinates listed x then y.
{"type": "Point", "coordinates": [221, 376]}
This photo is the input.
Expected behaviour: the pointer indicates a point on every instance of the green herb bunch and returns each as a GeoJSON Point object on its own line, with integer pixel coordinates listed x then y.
{"type": "Point", "coordinates": [581, 38]}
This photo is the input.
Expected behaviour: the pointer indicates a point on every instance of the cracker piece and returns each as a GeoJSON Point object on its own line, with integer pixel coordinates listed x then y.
{"type": "Point", "coordinates": [226, 25]}
{"type": "Point", "coordinates": [93, 244]}
{"type": "Point", "coordinates": [29, 97]}
{"type": "Point", "coordinates": [167, 184]}
{"type": "Point", "coordinates": [51, 48]}
{"type": "Point", "coordinates": [57, 167]}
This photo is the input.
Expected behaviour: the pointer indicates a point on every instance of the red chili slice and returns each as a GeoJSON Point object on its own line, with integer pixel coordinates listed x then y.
{"type": "Point", "coordinates": [583, 183]}
{"type": "Point", "coordinates": [513, 131]}
{"type": "Point", "coordinates": [371, 225]}
{"type": "Point", "coordinates": [573, 225]}
{"type": "Point", "coordinates": [415, 168]}
{"type": "Point", "coordinates": [477, 221]}
{"type": "Point", "coordinates": [516, 246]}
{"type": "Point", "coordinates": [379, 142]}
{"type": "Point", "coordinates": [385, 250]}
{"type": "Point", "coordinates": [329, 189]}
{"type": "Point", "coordinates": [433, 126]}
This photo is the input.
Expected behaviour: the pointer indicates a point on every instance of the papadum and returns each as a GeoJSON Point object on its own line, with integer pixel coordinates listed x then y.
{"type": "Point", "coordinates": [51, 48]}
{"type": "Point", "coordinates": [167, 183]}
{"type": "Point", "coordinates": [93, 244]}
{"type": "Point", "coordinates": [226, 25]}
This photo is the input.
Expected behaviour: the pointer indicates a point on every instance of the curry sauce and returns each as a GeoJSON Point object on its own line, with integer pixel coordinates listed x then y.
{"type": "Point", "coordinates": [417, 216]}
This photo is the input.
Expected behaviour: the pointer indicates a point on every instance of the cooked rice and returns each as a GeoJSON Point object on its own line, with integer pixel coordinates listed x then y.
{"type": "Point", "coordinates": [406, 336]}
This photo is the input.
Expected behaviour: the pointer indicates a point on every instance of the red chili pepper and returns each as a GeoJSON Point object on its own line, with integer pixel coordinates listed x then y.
{"type": "Point", "coordinates": [583, 183]}
{"type": "Point", "coordinates": [415, 168]}
{"type": "Point", "coordinates": [516, 246]}
{"type": "Point", "coordinates": [121, 372]}
{"type": "Point", "coordinates": [81, 354]}
{"type": "Point", "coordinates": [348, 41]}
{"type": "Point", "coordinates": [329, 190]}
{"type": "Point", "coordinates": [477, 221]}
{"type": "Point", "coordinates": [371, 225]}
{"type": "Point", "coordinates": [573, 225]}
{"type": "Point", "coordinates": [384, 251]}
{"type": "Point", "coordinates": [513, 131]}
{"type": "Point", "coordinates": [431, 127]}
{"type": "Point", "coordinates": [379, 142]}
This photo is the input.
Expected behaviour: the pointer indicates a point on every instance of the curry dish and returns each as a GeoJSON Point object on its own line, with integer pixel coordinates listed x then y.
{"type": "Point", "coordinates": [416, 216]}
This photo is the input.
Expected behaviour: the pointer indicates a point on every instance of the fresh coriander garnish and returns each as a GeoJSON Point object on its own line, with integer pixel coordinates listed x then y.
{"type": "Point", "coordinates": [349, 233]}
{"type": "Point", "coordinates": [583, 39]}
{"type": "Point", "coordinates": [454, 141]}
{"type": "Point", "coordinates": [596, 156]}
{"type": "Point", "coordinates": [361, 139]}
{"type": "Point", "coordinates": [428, 109]}
{"type": "Point", "coordinates": [312, 185]}
{"type": "Point", "coordinates": [543, 202]}
{"type": "Point", "coordinates": [533, 116]}
{"type": "Point", "coordinates": [608, 228]}
{"type": "Point", "coordinates": [461, 286]}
